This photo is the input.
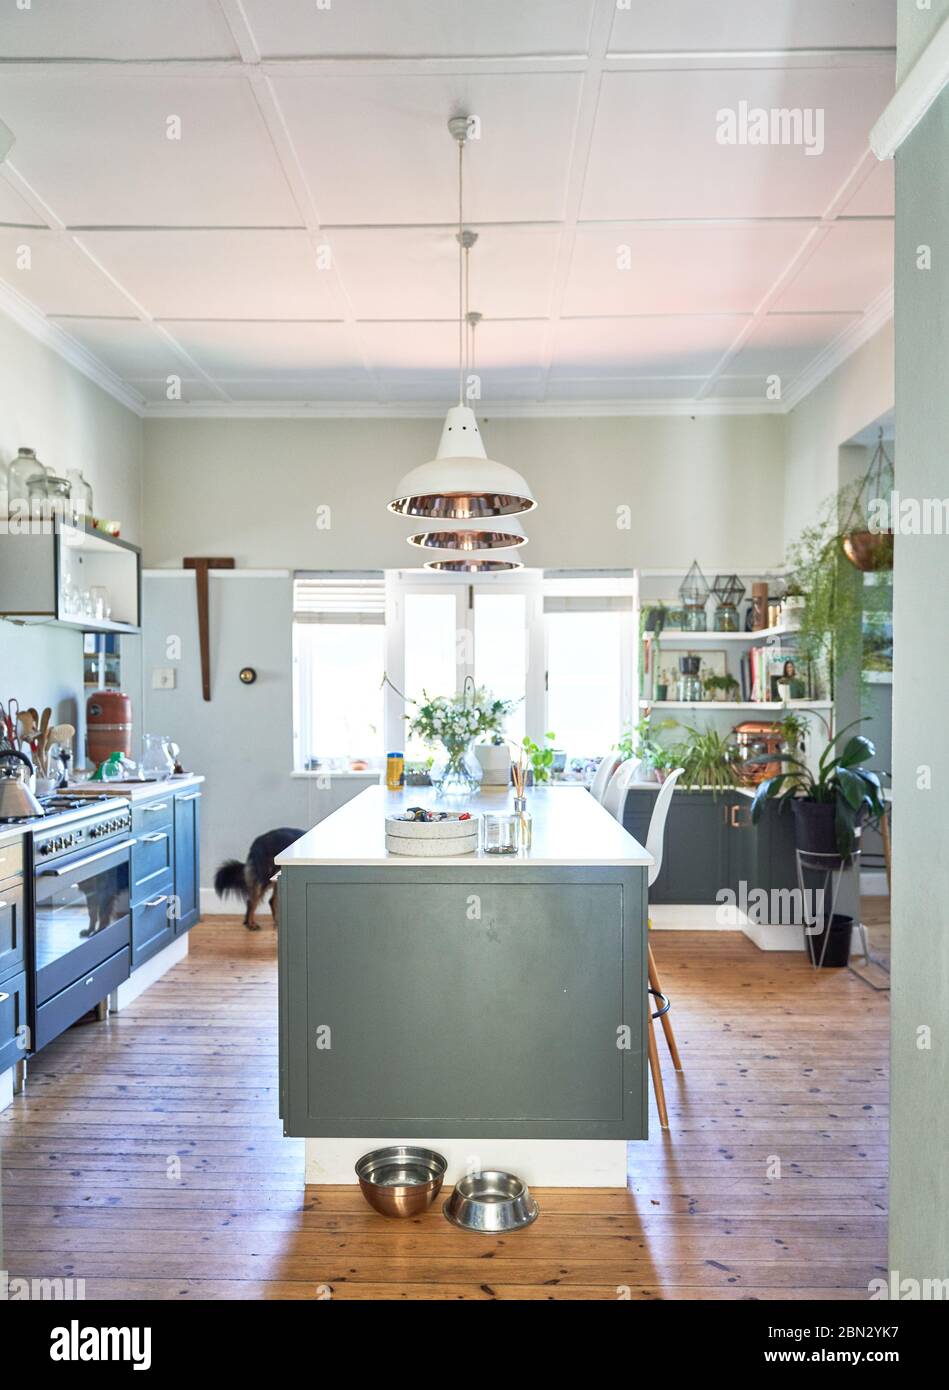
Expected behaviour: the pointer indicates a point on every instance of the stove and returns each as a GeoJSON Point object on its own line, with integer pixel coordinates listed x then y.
{"type": "Point", "coordinates": [60, 804]}
{"type": "Point", "coordinates": [81, 914]}
{"type": "Point", "coordinates": [72, 823]}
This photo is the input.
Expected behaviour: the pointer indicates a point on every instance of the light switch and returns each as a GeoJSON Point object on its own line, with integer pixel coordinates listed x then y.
{"type": "Point", "coordinates": [163, 678]}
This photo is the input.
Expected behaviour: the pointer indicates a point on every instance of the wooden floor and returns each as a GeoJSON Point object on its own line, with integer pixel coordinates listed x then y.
{"type": "Point", "coordinates": [146, 1157]}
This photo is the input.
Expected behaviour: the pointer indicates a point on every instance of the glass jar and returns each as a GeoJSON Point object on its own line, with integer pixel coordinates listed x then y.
{"type": "Point", "coordinates": [499, 833]}
{"type": "Point", "coordinates": [24, 467]}
{"type": "Point", "coordinates": [696, 617]}
{"type": "Point", "coordinates": [726, 618]}
{"type": "Point", "coordinates": [157, 763]}
{"type": "Point", "coordinates": [80, 496]}
{"type": "Point", "coordinates": [48, 495]}
{"type": "Point", "coordinates": [690, 682]}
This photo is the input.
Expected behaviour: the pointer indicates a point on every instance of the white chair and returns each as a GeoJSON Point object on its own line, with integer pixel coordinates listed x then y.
{"type": "Point", "coordinates": [601, 778]}
{"type": "Point", "coordinates": [614, 798]}
{"type": "Point", "coordinates": [655, 839]}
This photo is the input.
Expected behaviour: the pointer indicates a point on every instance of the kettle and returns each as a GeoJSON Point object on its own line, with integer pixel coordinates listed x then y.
{"type": "Point", "coordinates": [16, 799]}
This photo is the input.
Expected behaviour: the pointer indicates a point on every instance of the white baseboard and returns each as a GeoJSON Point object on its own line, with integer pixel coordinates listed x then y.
{"type": "Point", "coordinates": [690, 917]}
{"type": "Point", "coordinates": [539, 1162]}
{"type": "Point", "coordinates": [6, 1088]}
{"type": "Point", "coordinates": [873, 883]}
{"type": "Point", "coordinates": [140, 980]}
{"type": "Point", "coordinates": [213, 906]}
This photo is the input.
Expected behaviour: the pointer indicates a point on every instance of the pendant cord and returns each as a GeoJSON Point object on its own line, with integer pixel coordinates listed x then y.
{"type": "Point", "coordinates": [461, 277]}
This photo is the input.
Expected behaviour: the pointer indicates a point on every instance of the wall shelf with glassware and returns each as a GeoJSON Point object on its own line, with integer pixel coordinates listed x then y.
{"type": "Point", "coordinates": [73, 575]}
{"type": "Point", "coordinates": [735, 704]}
{"type": "Point", "coordinates": [709, 638]}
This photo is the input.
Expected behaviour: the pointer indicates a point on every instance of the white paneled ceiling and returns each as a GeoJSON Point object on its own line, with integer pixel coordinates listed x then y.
{"type": "Point", "coordinates": [252, 204]}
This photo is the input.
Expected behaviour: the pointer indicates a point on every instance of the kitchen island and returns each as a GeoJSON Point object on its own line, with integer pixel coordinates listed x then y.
{"type": "Point", "coordinates": [492, 1006]}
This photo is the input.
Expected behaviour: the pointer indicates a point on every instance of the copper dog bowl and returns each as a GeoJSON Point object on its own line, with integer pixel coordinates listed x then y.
{"type": "Point", "coordinates": [401, 1181]}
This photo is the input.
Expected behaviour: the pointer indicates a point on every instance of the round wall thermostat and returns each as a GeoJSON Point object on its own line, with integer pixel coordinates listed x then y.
{"type": "Point", "coordinates": [248, 675]}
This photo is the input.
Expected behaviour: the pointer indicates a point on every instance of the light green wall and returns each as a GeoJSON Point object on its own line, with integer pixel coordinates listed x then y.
{"type": "Point", "coordinates": [919, 1184]}
{"type": "Point", "coordinates": [852, 397]}
{"type": "Point", "coordinates": [711, 486]}
{"type": "Point", "coordinates": [71, 423]}
{"type": "Point", "coordinates": [916, 22]}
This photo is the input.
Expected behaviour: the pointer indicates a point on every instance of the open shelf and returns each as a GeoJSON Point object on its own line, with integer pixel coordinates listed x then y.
{"type": "Point", "coordinates": [735, 704]}
{"type": "Point", "coordinates": [710, 639]}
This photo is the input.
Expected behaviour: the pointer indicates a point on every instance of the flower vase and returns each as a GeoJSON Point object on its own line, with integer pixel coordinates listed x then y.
{"type": "Point", "coordinates": [457, 771]}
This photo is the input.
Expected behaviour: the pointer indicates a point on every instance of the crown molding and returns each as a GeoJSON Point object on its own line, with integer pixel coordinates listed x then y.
{"type": "Point", "coordinates": [504, 410]}
{"type": "Point", "coordinates": [843, 346]}
{"type": "Point", "coordinates": [34, 322]}
{"type": "Point", "coordinates": [914, 96]}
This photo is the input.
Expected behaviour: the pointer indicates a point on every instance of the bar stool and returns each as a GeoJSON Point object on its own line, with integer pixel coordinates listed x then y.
{"type": "Point", "coordinates": [655, 839]}
{"type": "Point", "coordinates": [601, 778]}
{"type": "Point", "coordinates": [614, 798]}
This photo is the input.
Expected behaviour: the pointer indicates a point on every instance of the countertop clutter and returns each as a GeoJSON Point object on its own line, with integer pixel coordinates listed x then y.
{"type": "Point", "coordinates": [569, 828]}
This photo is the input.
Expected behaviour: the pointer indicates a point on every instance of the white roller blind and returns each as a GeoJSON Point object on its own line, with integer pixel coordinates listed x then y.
{"type": "Point", "coordinates": [339, 599]}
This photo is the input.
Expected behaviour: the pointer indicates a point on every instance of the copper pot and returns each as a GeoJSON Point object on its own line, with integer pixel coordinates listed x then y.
{"type": "Point", "coordinates": [868, 551]}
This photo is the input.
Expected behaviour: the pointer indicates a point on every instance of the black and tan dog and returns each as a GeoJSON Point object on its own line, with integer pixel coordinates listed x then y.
{"type": "Point", "coordinates": [251, 879]}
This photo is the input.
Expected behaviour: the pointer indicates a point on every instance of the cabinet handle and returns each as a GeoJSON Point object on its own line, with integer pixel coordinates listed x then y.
{"type": "Point", "coordinates": [152, 839]}
{"type": "Point", "coordinates": [156, 902]}
{"type": "Point", "coordinates": [192, 796]}
{"type": "Point", "coordinates": [161, 806]}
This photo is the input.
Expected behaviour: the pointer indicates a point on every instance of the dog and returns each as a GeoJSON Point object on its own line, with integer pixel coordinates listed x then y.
{"type": "Point", "coordinates": [251, 880]}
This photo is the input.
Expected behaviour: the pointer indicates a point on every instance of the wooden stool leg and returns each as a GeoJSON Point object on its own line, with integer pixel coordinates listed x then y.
{"type": "Point", "coordinates": [885, 833]}
{"type": "Point", "coordinates": [657, 1077]}
{"type": "Point", "coordinates": [665, 1020]}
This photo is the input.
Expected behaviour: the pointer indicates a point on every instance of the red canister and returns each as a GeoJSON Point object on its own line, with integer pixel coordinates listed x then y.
{"type": "Point", "coordinates": [108, 725]}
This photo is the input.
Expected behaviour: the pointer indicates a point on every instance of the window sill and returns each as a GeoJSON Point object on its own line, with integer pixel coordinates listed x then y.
{"type": "Point", "coordinates": [340, 776]}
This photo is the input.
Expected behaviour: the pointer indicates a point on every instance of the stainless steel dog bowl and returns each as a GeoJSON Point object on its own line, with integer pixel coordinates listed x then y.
{"type": "Point", "coordinates": [491, 1202]}
{"type": "Point", "coordinates": [401, 1181]}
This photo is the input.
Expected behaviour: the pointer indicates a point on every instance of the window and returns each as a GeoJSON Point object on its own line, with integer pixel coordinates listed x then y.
{"type": "Point", "coordinates": [589, 631]}
{"type": "Point", "coordinates": [500, 652]}
{"type": "Point", "coordinates": [338, 662]}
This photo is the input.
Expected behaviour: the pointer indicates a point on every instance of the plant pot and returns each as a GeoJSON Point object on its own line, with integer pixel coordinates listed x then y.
{"type": "Point", "coordinates": [868, 551]}
{"type": "Point", "coordinates": [495, 761]}
{"type": "Point", "coordinates": [662, 692]}
{"type": "Point", "coordinates": [792, 610]}
{"type": "Point", "coordinates": [836, 951]}
{"type": "Point", "coordinates": [814, 831]}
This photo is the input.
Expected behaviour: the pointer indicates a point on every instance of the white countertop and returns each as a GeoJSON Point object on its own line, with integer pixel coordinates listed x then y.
{"type": "Point", "coordinates": [136, 791]}
{"type": "Point", "coordinates": [570, 829]}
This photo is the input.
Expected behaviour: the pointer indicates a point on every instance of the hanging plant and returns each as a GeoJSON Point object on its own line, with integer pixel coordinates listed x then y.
{"type": "Point", "coordinates": [870, 550]}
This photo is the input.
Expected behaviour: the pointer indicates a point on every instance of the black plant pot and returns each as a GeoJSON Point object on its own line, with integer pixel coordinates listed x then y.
{"type": "Point", "coordinates": [836, 951]}
{"type": "Point", "coordinates": [814, 831]}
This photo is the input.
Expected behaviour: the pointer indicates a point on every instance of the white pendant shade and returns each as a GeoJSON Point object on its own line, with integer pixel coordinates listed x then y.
{"type": "Point", "coordinates": [461, 483]}
{"type": "Point", "coordinates": [501, 533]}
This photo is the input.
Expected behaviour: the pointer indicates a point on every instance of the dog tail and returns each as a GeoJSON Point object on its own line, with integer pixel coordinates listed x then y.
{"type": "Point", "coordinates": [230, 879]}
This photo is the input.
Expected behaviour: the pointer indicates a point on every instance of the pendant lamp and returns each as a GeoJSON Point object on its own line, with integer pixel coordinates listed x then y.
{"type": "Point", "coordinates": [461, 483]}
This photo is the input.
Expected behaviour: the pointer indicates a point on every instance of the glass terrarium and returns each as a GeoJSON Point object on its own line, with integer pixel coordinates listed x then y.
{"type": "Point", "coordinates": [729, 592]}
{"type": "Point", "coordinates": [694, 592]}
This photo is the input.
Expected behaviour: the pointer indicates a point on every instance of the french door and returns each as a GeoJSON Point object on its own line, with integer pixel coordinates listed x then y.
{"type": "Point", "coordinates": [441, 630]}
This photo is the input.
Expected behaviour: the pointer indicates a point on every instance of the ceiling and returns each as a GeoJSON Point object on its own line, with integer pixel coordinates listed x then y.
{"type": "Point", "coordinates": [294, 249]}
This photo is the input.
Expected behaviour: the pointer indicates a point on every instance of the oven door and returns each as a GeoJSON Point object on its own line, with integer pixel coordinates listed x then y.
{"type": "Point", "coordinates": [81, 915]}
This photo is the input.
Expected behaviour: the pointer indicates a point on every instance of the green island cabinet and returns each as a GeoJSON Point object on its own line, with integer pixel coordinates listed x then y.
{"type": "Point", "coordinates": [165, 869]}
{"type": "Point", "coordinates": [711, 844]}
{"type": "Point", "coordinates": [468, 998]}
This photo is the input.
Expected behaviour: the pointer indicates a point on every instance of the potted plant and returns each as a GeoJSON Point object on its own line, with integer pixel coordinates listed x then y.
{"type": "Point", "coordinates": [792, 607]}
{"type": "Point", "coordinates": [830, 806]}
{"type": "Point", "coordinates": [495, 759]}
{"type": "Point", "coordinates": [540, 757]}
{"type": "Point", "coordinates": [455, 721]}
{"type": "Point", "coordinates": [708, 759]}
{"type": "Point", "coordinates": [722, 687]}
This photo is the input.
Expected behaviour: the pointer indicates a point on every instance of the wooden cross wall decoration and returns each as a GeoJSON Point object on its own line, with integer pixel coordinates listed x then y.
{"type": "Point", "coordinates": [201, 564]}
